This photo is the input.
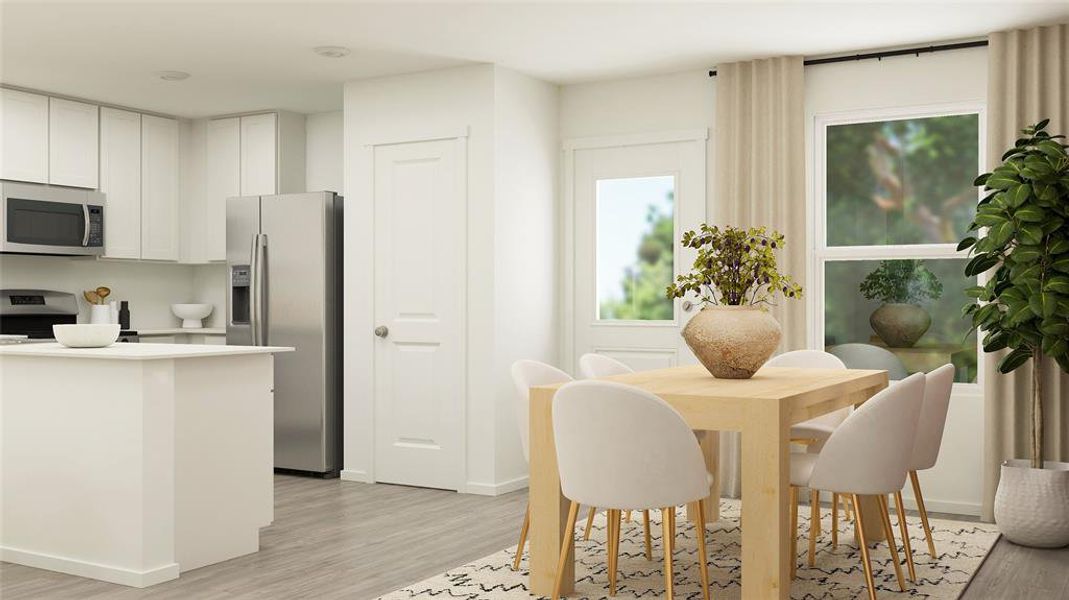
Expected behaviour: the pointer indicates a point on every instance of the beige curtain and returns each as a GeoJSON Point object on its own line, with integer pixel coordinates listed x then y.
{"type": "Point", "coordinates": [1027, 80]}
{"type": "Point", "coordinates": [759, 179]}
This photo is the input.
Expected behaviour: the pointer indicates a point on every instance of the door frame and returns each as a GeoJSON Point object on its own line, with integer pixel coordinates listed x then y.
{"type": "Point", "coordinates": [359, 384]}
{"type": "Point", "coordinates": [568, 208]}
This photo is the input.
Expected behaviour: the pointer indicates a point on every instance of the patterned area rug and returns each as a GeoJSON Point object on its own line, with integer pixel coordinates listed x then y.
{"type": "Point", "coordinates": [837, 574]}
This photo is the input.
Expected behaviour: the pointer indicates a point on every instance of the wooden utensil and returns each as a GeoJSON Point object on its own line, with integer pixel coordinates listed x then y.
{"type": "Point", "coordinates": [91, 297]}
{"type": "Point", "coordinates": [103, 292]}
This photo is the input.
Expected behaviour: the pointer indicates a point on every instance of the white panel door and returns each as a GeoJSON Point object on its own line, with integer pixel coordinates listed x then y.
{"type": "Point", "coordinates": [224, 181]}
{"type": "Point", "coordinates": [73, 143]}
{"type": "Point", "coordinates": [159, 188]}
{"type": "Point", "coordinates": [23, 136]}
{"type": "Point", "coordinates": [631, 207]}
{"type": "Point", "coordinates": [420, 210]}
{"type": "Point", "coordinates": [120, 180]}
{"type": "Point", "coordinates": [259, 155]}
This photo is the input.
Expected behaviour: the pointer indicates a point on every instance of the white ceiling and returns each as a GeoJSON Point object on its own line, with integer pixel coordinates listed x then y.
{"type": "Point", "coordinates": [251, 55]}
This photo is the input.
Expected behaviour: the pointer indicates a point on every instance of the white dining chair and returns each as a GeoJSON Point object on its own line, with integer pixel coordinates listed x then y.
{"type": "Point", "coordinates": [813, 433]}
{"type": "Point", "coordinates": [622, 448]}
{"type": "Point", "coordinates": [525, 375]}
{"type": "Point", "coordinates": [937, 388]}
{"type": "Point", "coordinates": [593, 365]}
{"type": "Point", "coordinates": [867, 356]}
{"type": "Point", "coordinates": [869, 454]}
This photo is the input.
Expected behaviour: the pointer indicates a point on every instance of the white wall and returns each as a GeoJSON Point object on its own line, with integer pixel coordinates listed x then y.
{"type": "Point", "coordinates": [526, 151]}
{"type": "Point", "coordinates": [954, 485]}
{"type": "Point", "coordinates": [150, 287]}
{"type": "Point", "coordinates": [323, 152]}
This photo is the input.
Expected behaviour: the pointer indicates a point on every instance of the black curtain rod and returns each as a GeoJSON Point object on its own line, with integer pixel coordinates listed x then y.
{"type": "Point", "coordinates": [887, 53]}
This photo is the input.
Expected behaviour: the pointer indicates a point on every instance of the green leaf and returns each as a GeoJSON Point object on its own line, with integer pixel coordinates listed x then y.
{"type": "Point", "coordinates": [1001, 182]}
{"type": "Point", "coordinates": [996, 341]}
{"type": "Point", "coordinates": [1058, 284]}
{"type": "Point", "coordinates": [1013, 360]}
{"type": "Point", "coordinates": [1048, 304]}
{"type": "Point", "coordinates": [990, 220]}
{"type": "Point", "coordinates": [1053, 327]}
{"type": "Point", "coordinates": [1019, 195]}
{"type": "Point", "coordinates": [981, 179]}
{"type": "Point", "coordinates": [1019, 313]}
{"type": "Point", "coordinates": [1000, 234]}
{"type": "Point", "coordinates": [987, 314]}
{"type": "Point", "coordinates": [975, 291]}
{"type": "Point", "coordinates": [1041, 124]}
{"type": "Point", "coordinates": [1062, 264]}
{"type": "Point", "coordinates": [1059, 246]}
{"type": "Point", "coordinates": [1051, 148]}
{"type": "Point", "coordinates": [1031, 233]}
{"type": "Point", "coordinates": [966, 243]}
{"type": "Point", "coordinates": [980, 263]}
{"type": "Point", "coordinates": [1026, 254]}
{"type": "Point", "coordinates": [1055, 346]}
{"type": "Point", "coordinates": [1029, 214]}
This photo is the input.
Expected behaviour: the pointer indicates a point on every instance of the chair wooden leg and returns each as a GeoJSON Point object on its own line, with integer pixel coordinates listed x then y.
{"type": "Point", "coordinates": [865, 561]}
{"type": "Point", "coordinates": [794, 530]}
{"type": "Point", "coordinates": [646, 530]}
{"type": "Point", "coordinates": [523, 538]}
{"type": "Point", "coordinates": [668, 530]}
{"type": "Point", "coordinates": [589, 523]}
{"type": "Point", "coordinates": [891, 543]}
{"type": "Point", "coordinates": [569, 543]}
{"type": "Point", "coordinates": [627, 517]}
{"type": "Point", "coordinates": [614, 548]}
{"type": "Point", "coordinates": [855, 522]}
{"type": "Point", "coordinates": [904, 529]}
{"type": "Point", "coordinates": [703, 557]}
{"type": "Point", "coordinates": [924, 513]}
{"type": "Point", "coordinates": [835, 520]}
{"type": "Point", "coordinates": [814, 526]}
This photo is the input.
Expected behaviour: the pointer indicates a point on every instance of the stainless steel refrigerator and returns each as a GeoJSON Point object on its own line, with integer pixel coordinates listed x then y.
{"type": "Point", "coordinates": [284, 268]}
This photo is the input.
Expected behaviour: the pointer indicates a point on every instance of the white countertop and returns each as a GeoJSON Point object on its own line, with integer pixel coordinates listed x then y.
{"type": "Point", "coordinates": [180, 330]}
{"type": "Point", "coordinates": [136, 351]}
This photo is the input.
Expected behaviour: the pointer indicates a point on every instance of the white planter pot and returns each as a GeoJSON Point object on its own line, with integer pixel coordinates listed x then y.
{"type": "Point", "coordinates": [1032, 505]}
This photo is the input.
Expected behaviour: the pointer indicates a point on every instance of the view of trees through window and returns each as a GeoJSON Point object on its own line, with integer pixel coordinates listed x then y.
{"type": "Point", "coordinates": [891, 185]}
{"type": "Point", "coordinates": [635, 248]}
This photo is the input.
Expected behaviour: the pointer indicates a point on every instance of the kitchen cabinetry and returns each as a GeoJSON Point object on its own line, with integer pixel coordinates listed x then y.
{"type": "Point", "coordinates": [120, 180]}
{"type": "Point", "coordinates": [249, 155]}
{"type": "Point", "coordinates": [23, 136]}
{"type": "Point", "coordinates": [72, 143]}
{"type": "Point", "coordinates": [159, 188]}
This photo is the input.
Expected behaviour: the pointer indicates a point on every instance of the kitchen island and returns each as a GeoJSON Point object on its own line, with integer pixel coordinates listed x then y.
{"type": "Point", "coordinates": [137, 462]}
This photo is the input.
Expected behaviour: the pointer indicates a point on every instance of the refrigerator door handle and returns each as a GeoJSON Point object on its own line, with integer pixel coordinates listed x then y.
{"type": "Point", "coordinates": [263, 288]}
{"type": "Point", "coordinates": [254, 289]}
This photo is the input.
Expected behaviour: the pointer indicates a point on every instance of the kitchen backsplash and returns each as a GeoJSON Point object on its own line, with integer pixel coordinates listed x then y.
{"type": "Point", "coordinates": [151, 288]}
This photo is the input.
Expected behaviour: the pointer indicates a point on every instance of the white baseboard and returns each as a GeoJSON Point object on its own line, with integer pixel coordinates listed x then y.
{"type": "Point", "coordinates": [494, 489]}
{"type": "Point", "coordinates": [944, 506]}
{"type": "Point", "coordinates": [119, 575]}
{"type": "Point", "coordinates": [356, 475]}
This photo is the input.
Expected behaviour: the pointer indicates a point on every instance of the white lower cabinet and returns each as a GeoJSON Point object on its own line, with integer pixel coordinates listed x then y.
{"type": "Point", "coordinates": [159, 188]}
{"type": "Point", "coordinates": [120, 180]}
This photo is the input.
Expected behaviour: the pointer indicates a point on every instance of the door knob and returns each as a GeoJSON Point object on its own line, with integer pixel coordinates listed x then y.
{"type": "Point", "coordinates": [687, 305]}
{"type": "Point", "coordinates": [382, 331]}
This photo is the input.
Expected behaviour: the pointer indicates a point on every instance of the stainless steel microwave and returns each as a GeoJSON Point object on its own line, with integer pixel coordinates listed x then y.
{"type": "Point", "coordinates": [45, 219]}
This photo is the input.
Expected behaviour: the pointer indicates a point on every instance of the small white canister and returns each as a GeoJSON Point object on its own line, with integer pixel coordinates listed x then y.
{"type": "Point", "coordinates": [99, 314]}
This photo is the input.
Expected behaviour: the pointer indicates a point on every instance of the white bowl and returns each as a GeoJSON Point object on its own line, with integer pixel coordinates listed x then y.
{"type": "Point", "coordinates": [85, 335]}
{"type": "Point", "coordinates": [191, 314]}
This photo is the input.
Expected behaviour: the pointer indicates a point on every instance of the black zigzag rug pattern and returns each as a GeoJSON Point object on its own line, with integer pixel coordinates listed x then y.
{"type": "Point", "coordinates": [962, 547]}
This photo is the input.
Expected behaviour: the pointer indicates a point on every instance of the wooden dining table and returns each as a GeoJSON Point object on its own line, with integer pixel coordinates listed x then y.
{"type": "Point", "coordinates": [762, 408]}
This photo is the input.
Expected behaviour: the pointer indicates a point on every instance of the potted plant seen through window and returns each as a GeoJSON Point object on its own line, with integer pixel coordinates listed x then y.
{"type": "Point", "coordinates": [901, 285]}
{"type": "Point", "coordinates": [735, 279]}
{"type": "Point", "coordinates": [1024, 307]}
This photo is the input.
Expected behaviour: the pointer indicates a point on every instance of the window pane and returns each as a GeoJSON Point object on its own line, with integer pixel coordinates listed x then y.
{"type": "Point", "coordinates": [635, 242]}
{"type": "Point", "coordinates": [908, 287]}
{"type": "Point", "coordinates": [901, 182]}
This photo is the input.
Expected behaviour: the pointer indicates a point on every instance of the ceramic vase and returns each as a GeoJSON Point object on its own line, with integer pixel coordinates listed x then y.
{"type": "Point", "coordinates": [732, 342]}
{"type": "Point", "coordinates": [900, 325]}
{"type": "Point", "coordinates": [1032, 505]}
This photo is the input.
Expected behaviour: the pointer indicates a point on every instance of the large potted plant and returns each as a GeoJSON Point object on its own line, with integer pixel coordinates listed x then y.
{"type": "Point", "coordinates": [1024, 307]}
{"type": "Point", "coordinates": [735, 279]}
{"type": "Point", "coordinates": [901, 285]}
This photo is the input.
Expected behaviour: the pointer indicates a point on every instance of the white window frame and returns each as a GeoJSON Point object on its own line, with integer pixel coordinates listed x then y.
{"type": "Point", "coordinates": [820, 253]}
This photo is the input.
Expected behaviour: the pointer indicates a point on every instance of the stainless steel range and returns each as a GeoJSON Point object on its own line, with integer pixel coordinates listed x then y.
{"type": "Point", "coordinates": [28, 315]}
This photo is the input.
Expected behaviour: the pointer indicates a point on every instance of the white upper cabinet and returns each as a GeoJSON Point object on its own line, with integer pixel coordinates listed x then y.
{"type": "Point", "coordinates": [120, 180]}
{"type": "Point", "coordinates": [73, 143]}
{"type": "Point", "coordinates": [259, 152]}
{"type": "Point", "coordinates": [224, 181]}
{"type": "Point", "coordinates": [159, 188]}
{"type": "Point", "coordinates": [23, 136]}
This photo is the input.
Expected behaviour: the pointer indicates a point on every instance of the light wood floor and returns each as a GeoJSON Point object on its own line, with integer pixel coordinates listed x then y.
{"type": "Point", "coordinates": [334, 539]}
